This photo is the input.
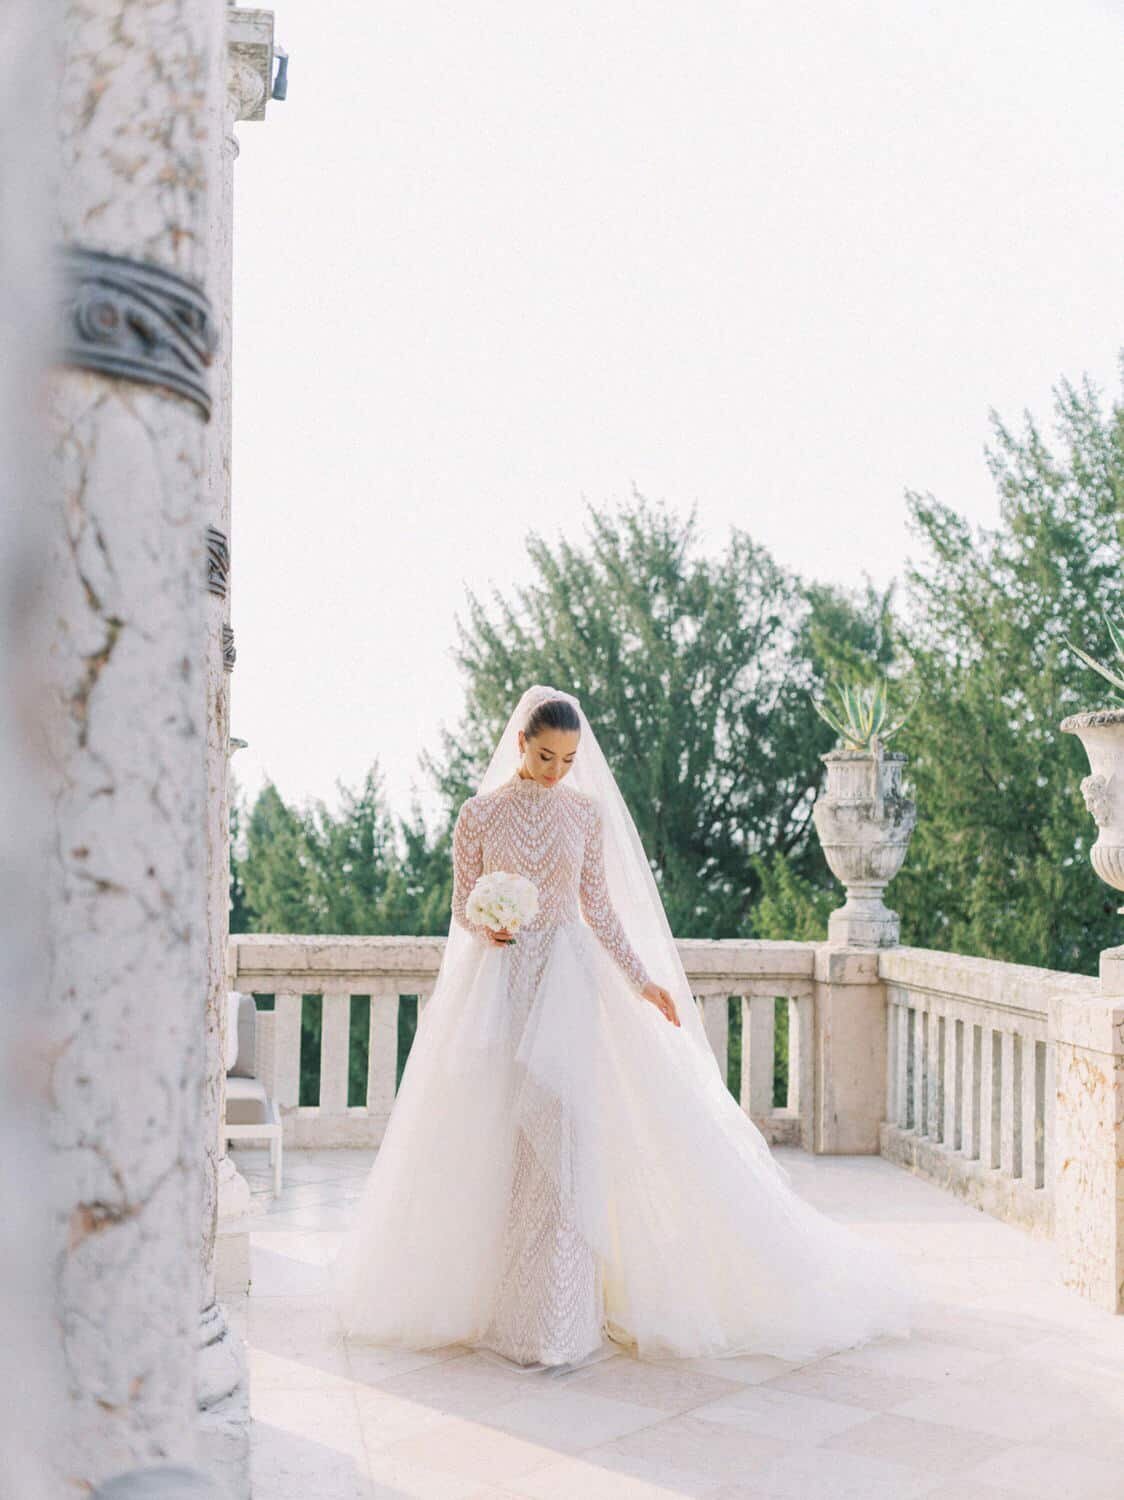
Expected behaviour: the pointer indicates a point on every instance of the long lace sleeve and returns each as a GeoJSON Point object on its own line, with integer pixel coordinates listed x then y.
{"type": "Point", "coordinates": [598, 910]}
{"type": "Point", "coordinates": [468, 864]}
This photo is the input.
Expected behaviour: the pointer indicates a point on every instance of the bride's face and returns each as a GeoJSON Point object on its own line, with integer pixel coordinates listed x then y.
{"type": "Point", "coordinates": [547, 757]}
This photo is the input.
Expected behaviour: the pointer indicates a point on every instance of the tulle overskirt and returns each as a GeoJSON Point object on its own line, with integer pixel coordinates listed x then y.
{"type": "Point", "coordinates": [704, 1246]}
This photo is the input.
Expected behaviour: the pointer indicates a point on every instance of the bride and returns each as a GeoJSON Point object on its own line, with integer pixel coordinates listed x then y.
{"type": "Point", "coordinates": [564, 1170]}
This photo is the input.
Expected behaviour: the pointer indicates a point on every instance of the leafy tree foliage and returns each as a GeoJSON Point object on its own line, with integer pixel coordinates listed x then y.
{"type": "Point", "coordinates": [356, 871]}
{"type": "Point", "coordinates": [791, 907]}
{"type": "Point", "coordinates": [999, 861]}
{"type": "Point", "coordinates": [239, 913]}
{"type": "Point", "coordinates": [998, 865]}
{"type": "Point", "coordinates": [695, 671]}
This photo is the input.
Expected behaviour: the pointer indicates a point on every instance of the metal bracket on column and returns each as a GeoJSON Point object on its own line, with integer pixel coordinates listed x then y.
{"type": "Point", "coordinates": [218, 561]}
{"type": "Point", "coordinates": [136, 321]}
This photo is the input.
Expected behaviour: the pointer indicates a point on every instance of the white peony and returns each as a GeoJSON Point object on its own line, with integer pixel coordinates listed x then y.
{"type": "Point", "coordinates": [500, 900]}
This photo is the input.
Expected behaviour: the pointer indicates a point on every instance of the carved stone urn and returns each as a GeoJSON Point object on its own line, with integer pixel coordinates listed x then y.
{"type": "Point", "coordinates": [1102, 734]}
{"type": "Point", "coordinates": [864, 821]}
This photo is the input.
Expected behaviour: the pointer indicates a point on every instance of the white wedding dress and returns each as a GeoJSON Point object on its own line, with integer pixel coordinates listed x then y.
{"type": "Point", "coordinates": [563, 1168]}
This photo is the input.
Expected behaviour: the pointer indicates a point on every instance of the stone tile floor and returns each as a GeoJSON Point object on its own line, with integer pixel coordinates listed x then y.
{"type": "Point", "coordinates": [1010, 1387]}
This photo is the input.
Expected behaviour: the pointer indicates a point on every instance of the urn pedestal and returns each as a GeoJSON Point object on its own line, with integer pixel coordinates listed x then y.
{"type": "Point", "coordinates": [1088, 1042]}
{"type": "Point", "coordinates": [864, 822]}
{"type": "Point", "coordinates": [1102, 734]}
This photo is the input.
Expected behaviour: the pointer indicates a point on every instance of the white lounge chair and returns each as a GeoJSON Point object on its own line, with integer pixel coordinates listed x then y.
{"type": "Point", "coordinates": [251, 1115]}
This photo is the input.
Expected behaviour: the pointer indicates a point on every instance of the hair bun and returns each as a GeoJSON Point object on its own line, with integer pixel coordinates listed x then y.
{"type": "Point", "coordinates": [548, 708]}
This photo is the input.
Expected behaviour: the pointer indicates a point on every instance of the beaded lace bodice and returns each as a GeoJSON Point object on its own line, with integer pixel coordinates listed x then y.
{"type": "Point", "coordinates": [552, 835]}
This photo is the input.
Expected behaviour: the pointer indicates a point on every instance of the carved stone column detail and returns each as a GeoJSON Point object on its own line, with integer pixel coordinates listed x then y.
{"type": "Point", "coordinates": [126, 725]}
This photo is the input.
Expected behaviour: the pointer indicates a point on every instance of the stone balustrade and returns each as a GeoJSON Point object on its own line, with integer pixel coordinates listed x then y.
{"type": "Point", "coordinates": [970, 1077]}
{"type": "Point", "coordinates": [759, 976]}
{"type": "Point", "coordinates": [1005, 1084]}
{"type": "Point", "coordinates": [334, 969]}
{"type": "Point", "coordinates": [1001, 1082]}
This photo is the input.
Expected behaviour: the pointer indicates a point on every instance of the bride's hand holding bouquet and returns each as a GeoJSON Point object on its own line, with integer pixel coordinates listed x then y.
{"type": "Point", "coordinates": [499, 904]}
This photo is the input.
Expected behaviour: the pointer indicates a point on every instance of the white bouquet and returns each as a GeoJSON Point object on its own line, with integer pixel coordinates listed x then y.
{"type": "Point", "coordinates": [502, 901]}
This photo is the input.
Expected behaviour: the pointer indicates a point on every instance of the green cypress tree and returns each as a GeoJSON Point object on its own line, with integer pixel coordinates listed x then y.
{"type": "Point", "coordinates": [999, 862]}
{"type": "Point", "coordinates": [695, 671]}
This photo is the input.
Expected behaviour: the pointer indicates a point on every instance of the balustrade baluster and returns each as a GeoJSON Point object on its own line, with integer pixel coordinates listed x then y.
{"type": "Point", "coordinates": [758, 1044]}
{"type": "Point", "coordinates": [382, 1053]}
{"type": "Point", "coordinates": [1028, 1113]}
{"type": "Point", "coordinates": [932, 1072]}
{"type": "Point", "coordinates": [716, 1022]}
{"type": "Point", "coordinates": [287, 1049]}
{"type": "Point", "coordinates": [953, 1080]}
{"type": "Point", "coordinates": [800, 1088]}
{"type": "Point", "coordinates": [1008, 1106]}
{"type": "Point", "coordinates": [1049, 1100]}
{"type": "Point", "coordinates": [335, 1039]}
{"type": "Point", "coordinates": [905, 1066]}
{"type": "Point", "coordinates": [991, 1070]}
{"type": "Point", "coordinates": [893, 1022]}
{"type": "Point", "coordinates": [920, 1033]}
{"type": "Point", "coordinates": [970, 1092]}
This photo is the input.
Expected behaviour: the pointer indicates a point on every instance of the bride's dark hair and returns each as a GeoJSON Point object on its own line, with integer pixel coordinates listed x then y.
{"type": "Point", "coordinates": [552, 713]}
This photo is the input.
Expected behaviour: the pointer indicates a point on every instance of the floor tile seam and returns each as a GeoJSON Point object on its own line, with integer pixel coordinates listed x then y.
{"type": "Point", "coordinates": [1003, 1445]}
{"type": "Point", "coordinates": [687, 1411]}
{"type": "Point", "coordinates": [844, 1366]}
{"type": "Point", "coordinates": [1049, 1435]}
{"type": "Point", "coordinates": [737, 1385]}
{"type": "Point", "coordinates": [431, 1362]}
{"type": "Point", "coordinates": [659, 1415]}
{"type": "Point", "coordinates": [899, 1466]}
{"type": "Point", "coordinates": [368, 1469]}
{"type": "Point", "coordinates": [867, 1417]}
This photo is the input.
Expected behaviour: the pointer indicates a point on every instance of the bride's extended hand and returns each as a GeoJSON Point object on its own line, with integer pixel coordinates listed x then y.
{"type": "Point", "coordinates": [663, 1002]}
{"type": "Point", "coordinates": [498, 937]}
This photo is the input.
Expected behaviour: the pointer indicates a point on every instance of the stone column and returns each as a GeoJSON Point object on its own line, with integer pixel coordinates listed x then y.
{"type": "Point", "coordinates": [1088, 1038]}
{"type": "Point", "coordinates": [223, 1380]}
{"type": "Point", "coordinates": [127, 725]}
{"type": "Point", "coordinates": [33, 1390]}
{"type": "Point", "coordinates": [848, 1050]}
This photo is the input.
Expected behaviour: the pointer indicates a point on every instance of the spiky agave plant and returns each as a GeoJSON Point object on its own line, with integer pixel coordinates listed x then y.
{"type": "Point", "coordinates": [1114, 677]}
{"type": "Point", "coordinates": [861, 719]}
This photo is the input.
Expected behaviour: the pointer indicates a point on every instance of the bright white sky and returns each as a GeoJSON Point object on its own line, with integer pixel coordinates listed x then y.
{"type": "Point", "coordinates": [497, 261]}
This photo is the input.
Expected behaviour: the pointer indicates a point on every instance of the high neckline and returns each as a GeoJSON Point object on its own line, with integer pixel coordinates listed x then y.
{"type": "Point", "coordinates": [527, 786]}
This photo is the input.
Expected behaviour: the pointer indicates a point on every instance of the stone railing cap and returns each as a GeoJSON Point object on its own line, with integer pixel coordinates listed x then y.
{"type": "Point", "coordinates": [277, 955]}
{"type": "Point", "coordinates": [983, 981]}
